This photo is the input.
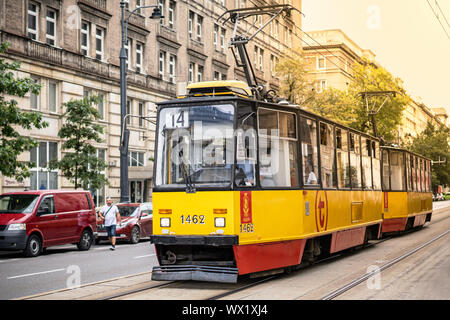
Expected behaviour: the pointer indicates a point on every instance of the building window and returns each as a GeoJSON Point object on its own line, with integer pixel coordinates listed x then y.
{"type": "Point", "coordinates": [52, 96]}
{"type": "Point", "coordinates": [98, 195]}
{"type": "Point", "coordinates": [216, 36]}
{"type": "Point", "coordinates": [127, 51]}
{"type": "Point", "coordinates": [222, 40]}
{"type": "Point", "coordinates": [321, 85]}
{"type": "Point", "coordinates": [172, 5]}
{"type": "Point", "coordinates": [42, 178]}
{"type": "Point", "coordinates": [172, 68]}
{"type": "Point", "coordinates": [139, 3]}
{"type": "Point", "coordinates": [33, 20]}
{"type": "Point", "coordinates": [162, 59]}
{"type": "Point", "coordinates": [261, 59]}
{"type": "Point", "coordinates": [99, 43]}
{"type": "Point", "coordinates": [141, 113]}
{"type": "Point", "coordinates": [191, 72]}
{"type": "Point", "coordinates": [34, 98]}
{"type": "Point", "coordinates": [136, 159]}
{"type": "Point", "coordinates": [321, 63]}
{"type": "Point", "coordinates": [200, 74]}
{"type": "Point", "coordinates": [85, 28]}
{"type": "Point", "coordinates": [191, 24]}
{"type": "Point", "coordinates": [139, 57]}
{"type": "Point", "coordinates": [129, 111]}
{"type": "Point", "coordinates": [51, 27]}
{"type": "Point", "coordinates": [101, 106]}
{"type": "Point", "coordinates": [161, 5]}
{"type": "Point", "coordinates": [199, 28]}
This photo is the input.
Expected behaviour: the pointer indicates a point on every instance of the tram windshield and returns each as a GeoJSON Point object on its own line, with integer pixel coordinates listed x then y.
{"type": "Point", "coordinates": [195, 146]}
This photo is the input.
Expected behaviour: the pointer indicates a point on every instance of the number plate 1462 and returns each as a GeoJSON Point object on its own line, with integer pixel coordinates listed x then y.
{"type": "Point", "coordinates": [194, 219]}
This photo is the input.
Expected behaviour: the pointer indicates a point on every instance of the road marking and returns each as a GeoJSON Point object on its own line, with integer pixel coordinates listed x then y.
{"type": "Point", "coordinates": [33, 274]}
{"type": "Point", "coordinates": [148, 255]}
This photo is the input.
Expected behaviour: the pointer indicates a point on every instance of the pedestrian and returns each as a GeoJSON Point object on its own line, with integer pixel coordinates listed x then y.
{"type": "Point", "coordinates": [111, 216]}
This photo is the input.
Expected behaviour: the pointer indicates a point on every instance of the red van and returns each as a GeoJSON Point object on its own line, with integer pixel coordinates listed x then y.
{"type": "Point", "coordinates": [34, 220]}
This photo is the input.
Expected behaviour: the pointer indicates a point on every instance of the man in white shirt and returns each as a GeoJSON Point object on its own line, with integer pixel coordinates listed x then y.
{"type": "Point", "coordinates": [111, 215]}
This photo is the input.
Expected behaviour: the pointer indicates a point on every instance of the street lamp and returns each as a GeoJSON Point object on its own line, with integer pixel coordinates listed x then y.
{"type": "Point", "coordinates": [124, 132]}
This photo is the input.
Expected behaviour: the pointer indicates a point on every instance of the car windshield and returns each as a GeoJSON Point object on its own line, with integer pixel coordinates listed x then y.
{"type": "Point", "coordinates": [195, 146]}
{"type": "Point", "coordinates": [128, 211]}
{"type": "Point", "coordinates": [18, 203]}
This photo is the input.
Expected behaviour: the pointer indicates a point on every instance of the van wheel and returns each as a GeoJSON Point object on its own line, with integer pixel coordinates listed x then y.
{"type": "Point", "coordinates": [34, 246]}
{"type": "Point", "coordinates": [85, 240]}
{"type": "Point", "coordinates": [135, 235]}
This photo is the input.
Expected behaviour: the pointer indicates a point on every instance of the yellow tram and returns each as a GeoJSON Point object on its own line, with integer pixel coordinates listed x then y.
{"type": "Point", "coordinates": [407, 194]}
{"type": "Point", "coordinates": [248, 184]}
{"type": "Point", "coordinates": [245, 186]}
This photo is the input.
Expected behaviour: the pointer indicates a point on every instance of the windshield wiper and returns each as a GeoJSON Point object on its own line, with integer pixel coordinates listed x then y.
{"type": "Point", "coordinates": [190, 187]}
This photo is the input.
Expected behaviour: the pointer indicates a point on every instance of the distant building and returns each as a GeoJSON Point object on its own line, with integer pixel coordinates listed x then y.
{"type": "Point", "coordinates": [330, 54]}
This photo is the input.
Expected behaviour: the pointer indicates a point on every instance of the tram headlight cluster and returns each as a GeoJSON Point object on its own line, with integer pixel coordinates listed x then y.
{"type": "Point", "coordinates": [165, 222]}
{"type": "Point", "coordinates": [219, 222]}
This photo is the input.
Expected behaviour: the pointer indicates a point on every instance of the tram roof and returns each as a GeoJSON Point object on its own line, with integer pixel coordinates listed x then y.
{"type": "Point", "coordinates": [405, 150]}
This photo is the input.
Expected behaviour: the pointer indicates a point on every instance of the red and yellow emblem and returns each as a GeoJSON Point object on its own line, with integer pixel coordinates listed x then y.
{"type": "Point", "coordinates": [321, 210]}
{"type": "Point", "coordinates": [246, 207]}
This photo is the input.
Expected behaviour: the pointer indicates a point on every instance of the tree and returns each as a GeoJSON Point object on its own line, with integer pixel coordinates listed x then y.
{"type": "Point", "coordinates": [369, 77]}
{"type": "Point", "coordinates": [80, 164]}
{"type": "Point", "coordinates": [295, 85]}
{"type": "Point", "coordinates": [433, 144]}
{"type": "Point", "coordinates": [12, 118]}
{"type": "Point", "coordinates": [346, 106]}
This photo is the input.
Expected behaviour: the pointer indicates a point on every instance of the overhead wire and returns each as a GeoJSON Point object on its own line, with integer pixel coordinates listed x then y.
{"type": "Point", "coordinates": [445, 18]}
{"type": "Point", "coordinates": [438, 19]}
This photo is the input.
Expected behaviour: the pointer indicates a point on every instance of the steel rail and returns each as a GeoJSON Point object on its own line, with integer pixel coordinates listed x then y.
{"type": "Point", "coordinates": [359, 280]}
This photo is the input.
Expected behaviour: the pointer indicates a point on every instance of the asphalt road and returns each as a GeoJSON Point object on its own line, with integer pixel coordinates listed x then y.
{"type": "Point", "coordinates": [65, 266]}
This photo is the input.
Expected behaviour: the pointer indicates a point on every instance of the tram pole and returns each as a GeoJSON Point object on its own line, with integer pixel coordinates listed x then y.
{"type": "Point", "coordinates": [124, 132]}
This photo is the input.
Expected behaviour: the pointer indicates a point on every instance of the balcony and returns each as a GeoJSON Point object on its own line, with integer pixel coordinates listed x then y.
{"type": "Point", "coordinates": [167, 34]}
{"type": "Point", "coordinates": [97, 4]}
{"type": "Point", "coordinates": [137, 20]}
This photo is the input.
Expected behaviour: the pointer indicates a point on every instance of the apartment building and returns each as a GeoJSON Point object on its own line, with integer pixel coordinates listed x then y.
{"type": "Point", "coordinates": [71, 47]}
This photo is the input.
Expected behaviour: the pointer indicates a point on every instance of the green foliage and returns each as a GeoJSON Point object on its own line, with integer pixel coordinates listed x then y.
{"type": "Point", "coordinates": [346, 106]}
{"type": "Point", "coordinates": [12, 144]}
{"type": "Point", "coordinates": [80, 164]}
{"type": "Point", "coordinates": [295, 85]}
{"type": "Point", "coordinates": [368, 77]}
{"type": "Point", "coordinates": [433, 144]}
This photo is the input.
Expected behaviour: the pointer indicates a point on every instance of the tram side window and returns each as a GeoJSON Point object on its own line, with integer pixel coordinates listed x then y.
{"type": "Point", "coordinates": [429, 176]}
{"type": "Point", "coordinates": [342, 158]}
{"type": "Point", "coordinates": [308, 134]}
{"type": "Point", "coordinates": [327, 155]}
{"type": "Point", "coordinates": [277, 149]}
{"type": "Point", "coordinates": [413, 173]}
{"type": "Point", "coordinates": [355, 160]}
{"type": "Point", "coordinates": [397, 170]}
{"type": "Point", "coordinates": [246, 147]}
{"type": "Point", "coordinates": [408, 172]}
{"type": "Point", "coordinates": [385, 180]}
{"type": "Point", "coordinates": [366, 164]}
{"type": "Point", "coordinates": [376, 170]}
{"type": "Point", "coordinates": [422, 180]}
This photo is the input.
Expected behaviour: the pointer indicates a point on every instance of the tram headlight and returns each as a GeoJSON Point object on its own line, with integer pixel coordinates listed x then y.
{"type": "Point", "coordinates": [219, 222]}
{"type": "Point", "coordinates": [165, 222]}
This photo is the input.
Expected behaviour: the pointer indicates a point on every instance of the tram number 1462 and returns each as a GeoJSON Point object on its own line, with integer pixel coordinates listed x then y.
{"type": "Point", "coordinates": [247, 228]}
{"type": "Point", "coordinates": [194, 219]}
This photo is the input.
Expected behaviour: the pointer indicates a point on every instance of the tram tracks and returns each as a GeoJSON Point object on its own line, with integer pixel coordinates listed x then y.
{"type": "Point", "coordinates": [245, 284]}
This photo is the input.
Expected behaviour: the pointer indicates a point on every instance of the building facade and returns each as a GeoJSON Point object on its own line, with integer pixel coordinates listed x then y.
{"type": "Point", "coordinates": [330, 54]}
{"type": "Point", "coordinates": [71, 48]}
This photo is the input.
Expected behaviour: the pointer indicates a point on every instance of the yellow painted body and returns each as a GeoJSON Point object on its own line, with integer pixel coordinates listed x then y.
{"type": "Point", "coordinates": [276, 215]}
{"type": "Point", "coordinates": [407, 204]}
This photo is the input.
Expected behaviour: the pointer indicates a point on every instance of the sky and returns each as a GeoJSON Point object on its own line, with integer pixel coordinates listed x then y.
{"type": "Point", "coordinates": [405, 36]}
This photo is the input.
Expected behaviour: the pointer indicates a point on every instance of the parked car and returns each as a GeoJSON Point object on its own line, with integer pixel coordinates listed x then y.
{"type": "Point", "coordinates": [34, 220]}
{"type": "Point", "coordinates": [137, 222]}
